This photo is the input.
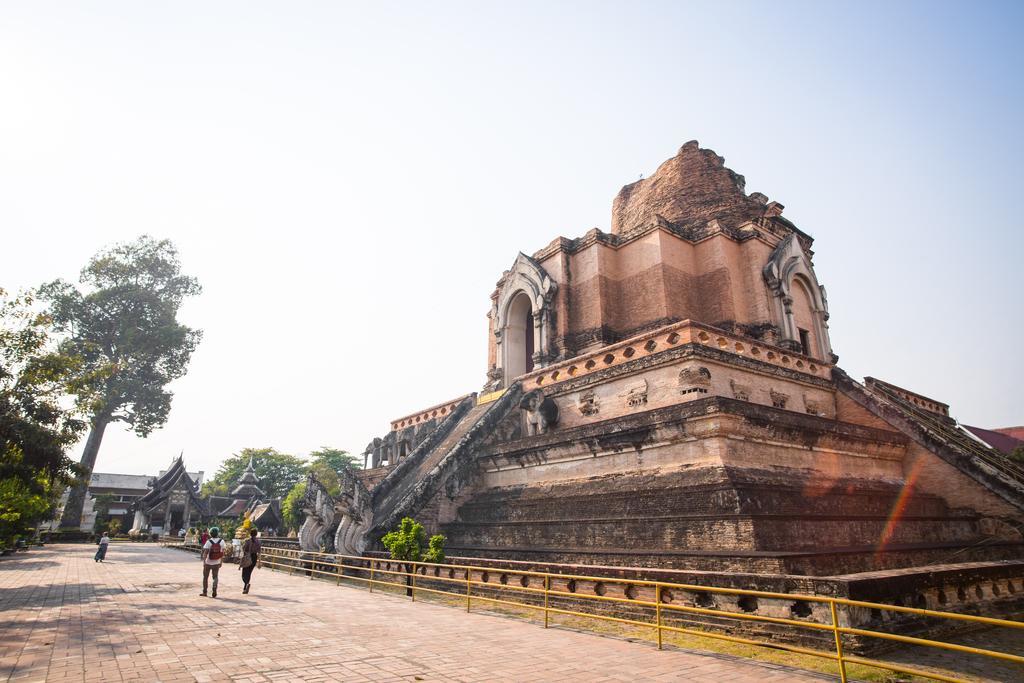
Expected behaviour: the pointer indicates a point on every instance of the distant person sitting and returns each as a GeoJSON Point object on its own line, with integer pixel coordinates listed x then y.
{"type": "Point", "coordinates": [213, 556]}
{"type": "Point", "coordinates": [101, 552]}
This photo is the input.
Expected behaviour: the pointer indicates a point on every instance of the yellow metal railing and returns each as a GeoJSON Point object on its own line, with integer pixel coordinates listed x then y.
{"type": "Point", "coordinates": [370, 570]}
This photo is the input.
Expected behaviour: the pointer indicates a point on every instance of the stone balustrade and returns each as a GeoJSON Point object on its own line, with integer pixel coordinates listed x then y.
{"type": "Point", "coordinates": [433, 412]}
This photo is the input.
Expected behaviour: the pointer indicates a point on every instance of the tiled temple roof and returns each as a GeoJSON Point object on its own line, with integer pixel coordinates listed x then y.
{"type": "Point", "coordinates": [996, 439]}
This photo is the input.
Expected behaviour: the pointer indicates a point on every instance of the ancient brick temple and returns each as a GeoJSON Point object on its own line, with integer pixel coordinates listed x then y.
{"type": "Point", "coordinates": [666, 395]}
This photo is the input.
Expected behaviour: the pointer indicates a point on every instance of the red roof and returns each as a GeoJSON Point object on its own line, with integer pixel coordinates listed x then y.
{"type": "Point", "coordinates": [236, 508]}
{"type": "Point", "coordinates": [1015, 432]}
{"type": "Point", "coordinates": [998, 439]}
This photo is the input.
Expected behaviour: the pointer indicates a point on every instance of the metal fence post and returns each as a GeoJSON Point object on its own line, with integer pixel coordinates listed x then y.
{"type": "Point", "coordinates": [657, 610]}
{"type": "Point", "coordinates": [341, 569]}
{"type": "Point", "coordinates": [839, 641]}
{"type": "Point", "coordinates": [469, 589]}
{"type": "Point", "coordinates": [371, 575]}
{"type": "Point", "coordinates": [547, 587]}
{"type": "Point", "coordinates": [414, 572]}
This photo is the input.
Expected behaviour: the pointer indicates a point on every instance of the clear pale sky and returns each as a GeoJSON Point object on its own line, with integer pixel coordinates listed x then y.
{"type": "Point", "coordinates": [348, 181]}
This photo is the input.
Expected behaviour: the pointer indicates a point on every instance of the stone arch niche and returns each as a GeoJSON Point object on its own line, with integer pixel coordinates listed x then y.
{"type": "Point", "coordinates": [803, 309]}
{"type": "Point", "coordinates": [521, 321]}
{"type": "Point", "coordinates": [798, 302]}
{"type": "Point", "coordinates": [517, 336]}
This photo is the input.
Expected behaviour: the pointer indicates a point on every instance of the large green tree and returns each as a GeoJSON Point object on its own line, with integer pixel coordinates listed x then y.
{"type": "Point", "coordinates": [335, 458]}
{"type": "Point", "coordinates": [36, 424]}
{"type": "Point", "coordinates": [25, 504]}
{"type": "Point", "coordinates": [122, 322]}
{"type": "Point", "coordinates": [291, 507]}
{"type": "Point", "coordinates": [278, 472]}
{"type": "Point", "coordinates": [326, 464]}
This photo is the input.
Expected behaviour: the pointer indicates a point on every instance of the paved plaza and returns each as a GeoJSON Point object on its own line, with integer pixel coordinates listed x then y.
{"type": "Point", "coordinates": [139, 617]}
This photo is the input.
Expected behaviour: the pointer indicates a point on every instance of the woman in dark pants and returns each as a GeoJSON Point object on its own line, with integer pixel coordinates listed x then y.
{"type": "Point", "coordinates": [101, 552]}
{"type": "Point", "coordinates": [250, 556]}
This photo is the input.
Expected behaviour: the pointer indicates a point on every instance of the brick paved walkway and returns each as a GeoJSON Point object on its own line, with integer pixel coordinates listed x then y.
{"type": "Point", "coordinates": [139, 617]}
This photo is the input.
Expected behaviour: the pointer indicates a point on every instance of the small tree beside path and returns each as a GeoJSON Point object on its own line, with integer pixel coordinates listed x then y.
{"type": "Point", "coordinates": [406, 545]}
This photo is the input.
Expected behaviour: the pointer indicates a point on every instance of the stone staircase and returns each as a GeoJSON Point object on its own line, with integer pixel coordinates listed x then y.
{"type": "Point", "coordinates": [942, 436]}
{"type": "Point", "coordinates": [430, 471]}
{"type": "Point", "coordinates": [357, 517]}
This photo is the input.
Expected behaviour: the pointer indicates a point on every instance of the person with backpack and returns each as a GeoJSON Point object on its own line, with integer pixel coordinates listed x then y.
{"type": "Point", "coordinates": [250, 556]}
{"type": "Point", "coordinates": [213, 556]}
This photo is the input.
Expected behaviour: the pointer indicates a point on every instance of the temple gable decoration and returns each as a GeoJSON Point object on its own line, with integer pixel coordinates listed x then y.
{"type": "Point", "coordinates": [798, 302]}
{"type": "Point", "coordinates": [169, 504]}
{"type": "Point", "coordinates": [521, 321]}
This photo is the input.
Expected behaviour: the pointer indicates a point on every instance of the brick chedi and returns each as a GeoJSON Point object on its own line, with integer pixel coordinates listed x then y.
{"type": "Point", "coordinates": [686, 244]}
{"type": "Point", "coordinates": [666, 395]}
{"type": "Point", "coordinates": [687, 191]}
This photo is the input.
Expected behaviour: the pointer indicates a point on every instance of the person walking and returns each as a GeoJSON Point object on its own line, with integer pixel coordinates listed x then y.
{"type": "Point", "coordinates": [101, 552]}
{"type": "Point", "coordinates": [249, 559]}
{"type": "Point", "coordinates": [213, 556]}
{"type": "Point", "coordinates": [204, 536]}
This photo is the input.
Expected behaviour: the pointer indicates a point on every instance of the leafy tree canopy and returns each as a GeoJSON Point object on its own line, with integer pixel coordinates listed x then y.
{"type": "Point", "coordinates": [435, 549]}
{"type": "Point", "coordinates": [291, 507]}
{"type": "Point", "coordinates": [406, 543]}
{"type": "Point", "coordinates": [23, 504]}
{"type": "Point", "coordinates": [283, 476]}
{"type": "Point", "coordinates": [335, 458]}
{"type": "Point", "coordinates": [278, 472]}
{"type": "Point", "coordinates": [123, 324]}
{"type": "Point", "coordinates": [36, 428]}
{"type": "Point", "coordinates": [327, 476]}
{"type": "Point", "coordinates": [326, 464]}
{"type": "Point", "coordinates": [37, 425]}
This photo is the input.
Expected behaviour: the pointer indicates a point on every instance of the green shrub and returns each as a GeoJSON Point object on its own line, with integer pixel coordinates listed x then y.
{"type": "Point", "coordinates": [435, 550]}
{"type": "Point", "coordinates": [405, 542]}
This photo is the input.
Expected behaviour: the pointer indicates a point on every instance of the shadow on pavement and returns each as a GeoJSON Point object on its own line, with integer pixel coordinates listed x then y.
{"type": "Point", "coordinates": [13, 564]}
{"type": "Point", "coordinates": [43, 595]}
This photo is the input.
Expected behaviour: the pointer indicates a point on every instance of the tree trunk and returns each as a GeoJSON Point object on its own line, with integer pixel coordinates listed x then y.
{"type": "Point", "coordinates": [72, 517]}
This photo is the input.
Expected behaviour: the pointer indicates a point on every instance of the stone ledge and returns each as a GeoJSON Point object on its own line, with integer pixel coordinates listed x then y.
{"type": "Point", "coordinates": [628, 428]}
{"type": "Point", "coordinates": [682, 334]}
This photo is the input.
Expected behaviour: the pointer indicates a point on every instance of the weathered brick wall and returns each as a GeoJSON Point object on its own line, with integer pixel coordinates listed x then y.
{"type": "Point", "coordinates": [848, 411]}
{"type": "Point", "coordinates": [709, 509]}
{"type": "Point", "coordinates": [687, 243]}
{"type": "Point", "coordinates": [666, 385]}
{"type": "Point", "coordinates": [689, 189]}
{"type": "Point", "coordinates": [713, 483]}
{"type": "Point", "coordinates": [612, 293]}
{"type": "Point", "coordinates": [934, 476]}
{"type": "Point", "coordinates": [373, 476]}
